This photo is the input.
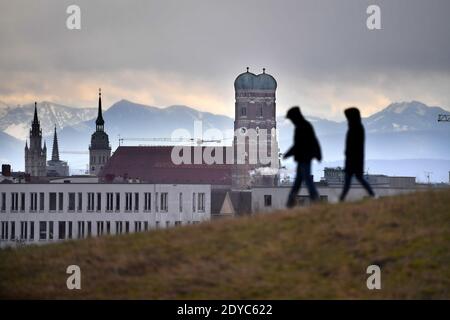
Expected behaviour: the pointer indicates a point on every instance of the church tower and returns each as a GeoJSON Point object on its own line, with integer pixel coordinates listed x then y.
{"type": "Point", "coordinates": [255, 114]}
{"type": "Point", "coordinates": [36, 155]}
{"type": "Point", "coordinates": [55, 166]}
{"type": "Point", "coordinates": [99, 150]}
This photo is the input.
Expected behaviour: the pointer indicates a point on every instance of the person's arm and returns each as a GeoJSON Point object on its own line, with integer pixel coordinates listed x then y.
{"type": "Point", "coordinates": [289, 153]}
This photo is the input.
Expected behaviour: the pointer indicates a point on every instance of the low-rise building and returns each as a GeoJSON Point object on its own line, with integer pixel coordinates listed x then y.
{"type": "Point", "coordinates": [48, 212]}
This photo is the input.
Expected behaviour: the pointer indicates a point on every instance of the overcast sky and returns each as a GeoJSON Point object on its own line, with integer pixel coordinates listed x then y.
{"type": "Point", "coordinates": [190, 51]}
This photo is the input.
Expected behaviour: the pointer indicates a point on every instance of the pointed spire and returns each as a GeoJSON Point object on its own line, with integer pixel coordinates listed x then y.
{"type": "Point", "coordinates": [35, 127]}
{"type": "Point", "coordinates": [26, 144]}
{"type": "Point", "coordinates": [99, 122]}
{"type": "Point", "coordinates": [35, 118]}
{"type": "Point", "coordinates": [55, 150]}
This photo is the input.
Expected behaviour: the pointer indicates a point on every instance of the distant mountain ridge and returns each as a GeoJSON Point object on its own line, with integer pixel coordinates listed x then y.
{"type": "Point", "coordinates": [16, 120]}
{"type": "Point", "coordinates": [404, 130]}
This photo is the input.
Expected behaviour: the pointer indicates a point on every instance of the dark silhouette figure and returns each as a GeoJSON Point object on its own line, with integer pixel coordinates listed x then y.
{"type": "Point", "coordinates": [306, 147]}
{"type": "Point", "coordinates": [354, 152]}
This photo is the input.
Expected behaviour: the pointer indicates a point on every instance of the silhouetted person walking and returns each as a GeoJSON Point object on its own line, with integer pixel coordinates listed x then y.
{"type": "Point", "coordinates": [306, 147]}
{"type": "Point", "coordinates": [354, 152]}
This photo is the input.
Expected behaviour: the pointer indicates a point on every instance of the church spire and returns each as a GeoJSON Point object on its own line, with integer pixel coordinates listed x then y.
{"type": "Point", "coordinates": [35, 126]}
{"type": "Point", "coordinates": [100, 122]}
{"type": "Point", "coordinates": [55, 150]}
{"type": "Point", "coordinates": [35, 118]}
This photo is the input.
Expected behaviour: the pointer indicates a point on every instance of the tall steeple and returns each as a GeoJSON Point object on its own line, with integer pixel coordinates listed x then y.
{"type": "Point", "coordinates": [55, 150]}
{"type": "Point", "coordinates": [35, 127]}
{"type": "Point", "coordinates": [99, 122]}
{"type": "Point", "coordinates": [99, 150]}
{"type": "Point", "coordinates": [35, 154]}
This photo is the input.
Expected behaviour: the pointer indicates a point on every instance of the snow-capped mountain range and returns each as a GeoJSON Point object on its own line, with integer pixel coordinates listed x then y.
{"type": "Point", "coordinates": [16, 120]}
{"type": "Point", "coordinates": [404, 130]}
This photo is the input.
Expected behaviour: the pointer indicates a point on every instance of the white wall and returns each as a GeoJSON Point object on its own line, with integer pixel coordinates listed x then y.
{"type": "Point", "coordinates": [280, 195]}
{"type": "Point", "coordinates": [154, 218]}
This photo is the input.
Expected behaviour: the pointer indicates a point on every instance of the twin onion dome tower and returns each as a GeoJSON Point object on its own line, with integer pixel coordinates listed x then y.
{"type": "Point", "coordinates": [255, 108]}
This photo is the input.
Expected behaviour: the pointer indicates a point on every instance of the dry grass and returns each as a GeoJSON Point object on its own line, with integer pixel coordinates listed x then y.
{"type": "Point", "coordinates": [320, 252]}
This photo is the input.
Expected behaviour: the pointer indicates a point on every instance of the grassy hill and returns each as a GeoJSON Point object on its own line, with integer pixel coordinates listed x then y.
{"type": "Point", "coordinates": [319, 252]}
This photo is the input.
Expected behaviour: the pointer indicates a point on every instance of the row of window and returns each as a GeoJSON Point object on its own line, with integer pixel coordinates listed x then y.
{"type": "Point", "coordinates": [99, 159]}
{"type": "Point", "coordinates": [259, 112]}
{"type": "Point", "coordinates": [94, 201]}
{"type": "Point", "coordinates": [46, 229]}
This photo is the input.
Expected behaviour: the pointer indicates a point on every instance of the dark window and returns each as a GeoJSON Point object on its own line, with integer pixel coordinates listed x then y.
{"type": "Point", "coordinates": [72, 201]}
{"type": "Point", "coordinates": [164, 204]}
{"type": "Point", "coordinates": [62, 230]}
{"type": "Point", "coordinates": [50, 230]}
{"type": "Point", "coordinates": [31, 230]}
{"type": "Point", "coordinates": [267, 200]}
{"type": "Point", "coordinates": [3, 208]}
{"type": "Point", "coordinates": [260, 111]}
{"type": "Point", "coordinates": [80, 201]}
{"type": "Point", "coordinates": [43, 229]}
{"type": "Point", "coordinates": [89, 228]}
{"type": "Point", "coordinates": [13, 230]}
{"type": "Point", "coordinates": [52, 201]}
{"type": "Point", "coordinates": [136, 201]}
{"type": "Point", "coordinates": [22, 201]}
{"type": "Point", "coordinates": [60, 201]}
{"type": "Point", "coordinates": [147, 201]}
{"type": "Point", "coordinates": [117, 201]}
{"type": "Point", "coordinates": [243, 111]}
{"type": "Point", "coordinates": [41, 201]}
{"type": "Point", "coordinates": [99, 201]}
{"type": "Point", "coordinates": [70, 230]}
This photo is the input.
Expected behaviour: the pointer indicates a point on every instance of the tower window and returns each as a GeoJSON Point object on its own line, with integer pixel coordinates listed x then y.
{"type": "Point", "coordinates": [243, 112]}
{"type": "Point", "coordinates": [260, 111]}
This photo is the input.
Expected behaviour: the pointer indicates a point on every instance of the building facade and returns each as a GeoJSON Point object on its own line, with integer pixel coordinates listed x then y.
{"type": "Point", "coordinates": [48, 212]}
{"type": "Point", "coordinates": [99, 150]}
{"type": "Point", "coordinates": [56, 167]}
{"type": "Point", "coordinates": [36, 154]}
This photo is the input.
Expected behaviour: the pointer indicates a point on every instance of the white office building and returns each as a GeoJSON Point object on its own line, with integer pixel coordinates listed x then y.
{"type": "Point", "coordinates": [32, 213]}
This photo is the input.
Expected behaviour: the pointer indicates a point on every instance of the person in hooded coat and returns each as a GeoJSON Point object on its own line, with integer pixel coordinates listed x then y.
{"type": "Point", "coordinates": [306, 147]}
{"type": "Point", "coordinates": [354, 152]}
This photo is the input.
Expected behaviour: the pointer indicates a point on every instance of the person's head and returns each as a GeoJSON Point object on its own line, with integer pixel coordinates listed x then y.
{"type": "Point", "coordinates": [353, 115]}
{"type": "Point", "coordinates": [295, 115]}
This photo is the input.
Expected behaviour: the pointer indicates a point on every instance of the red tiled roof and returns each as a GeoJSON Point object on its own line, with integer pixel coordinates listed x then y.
{"type": "Point", "coordinates": [153, 164]}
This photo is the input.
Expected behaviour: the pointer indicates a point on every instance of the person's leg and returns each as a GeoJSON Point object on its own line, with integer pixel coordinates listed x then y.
{"type": "Point", "coordinates": [347, 183]}
{"type": "Point", "coordinates": [306, 173]}
{"type": "Point", "coordinates": [295, 188]}
{"type": "Point", "coordinates": [365, 184]}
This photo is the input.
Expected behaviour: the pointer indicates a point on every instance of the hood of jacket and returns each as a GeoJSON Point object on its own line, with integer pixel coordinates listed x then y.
{"type": "Point", "coordinates": [353, 116]}
{"type": "Point", "coordinates": [295, 115]}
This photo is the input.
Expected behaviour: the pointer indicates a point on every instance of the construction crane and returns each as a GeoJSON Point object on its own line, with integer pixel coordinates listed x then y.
{"type": "Point", "coordinates": [191, 140]}
{"type": "Point", "coordinates": [74, 152]}
{"type": "Point", "coordinates": [444, 118]}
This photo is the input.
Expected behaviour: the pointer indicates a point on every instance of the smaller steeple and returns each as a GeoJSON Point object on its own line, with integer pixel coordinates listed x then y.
{"type": "Point", "coordinates": [55, 150]}
{"type": "Point", "coordinates": [99, 122]}
{"type": "Point", "coordinates": [26, 144]}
